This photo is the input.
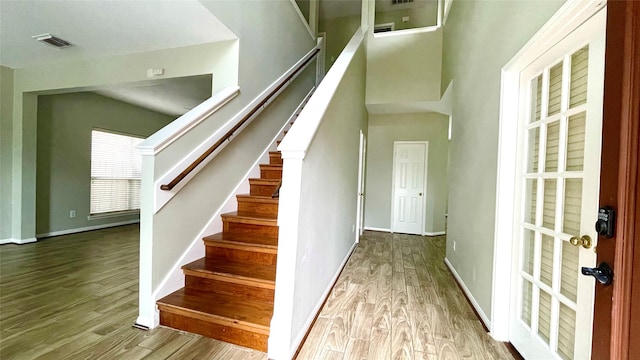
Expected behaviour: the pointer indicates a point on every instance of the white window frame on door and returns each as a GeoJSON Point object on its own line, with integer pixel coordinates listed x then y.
{"type": "Point", "coordinates": [424, 186]}
{"type": "Point", "coordinates": [568, 18]}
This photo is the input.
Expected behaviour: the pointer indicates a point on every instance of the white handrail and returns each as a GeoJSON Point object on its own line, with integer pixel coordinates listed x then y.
{"type": "Point", "coordinates": [173, 131]}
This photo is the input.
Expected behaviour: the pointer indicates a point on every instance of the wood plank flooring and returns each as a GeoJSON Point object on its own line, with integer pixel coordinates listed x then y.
{"type": "Point", "coordinates": [76, 297]}
{"type": "Point", "coordinates": [396, 299]}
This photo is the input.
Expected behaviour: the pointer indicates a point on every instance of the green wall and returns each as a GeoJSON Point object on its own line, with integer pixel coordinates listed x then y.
{"type": "Point", "coordinates": [384, 129]}
{"type": "Point", "coordinates": [480, 37]}
{"type": "Point", "coordinates": [64, 154]}
{"type": "Point", "coordinates": [6, 129]}
{"type": "Point", "coordinates": [338, 33]}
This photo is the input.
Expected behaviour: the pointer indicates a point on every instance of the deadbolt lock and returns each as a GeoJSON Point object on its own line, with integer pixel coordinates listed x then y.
{"type": "Point", "coordinates": [584, 241]}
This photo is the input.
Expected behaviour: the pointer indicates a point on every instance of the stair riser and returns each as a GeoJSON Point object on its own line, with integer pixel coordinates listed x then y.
{"type": "Point", "coordinates": [236, 255]}
{"type": "Point", "coordinates": [275, 160]}
{"type": "Point", "coordinates": [271, 173]}
{"type": "Point", "coordinates": [228, 288]}
{"type": "Point", "coordinates": [250, 229]}
{"type": "Point", "coordinates": [216, 331]}
{"type": "Point", "coordinates": [262, 190]}
{"type": "Point", "coordinates": [246, 208]}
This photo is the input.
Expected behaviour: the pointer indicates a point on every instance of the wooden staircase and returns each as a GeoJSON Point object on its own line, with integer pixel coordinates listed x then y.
{"type": "Point", "coordinates": [228, 294]}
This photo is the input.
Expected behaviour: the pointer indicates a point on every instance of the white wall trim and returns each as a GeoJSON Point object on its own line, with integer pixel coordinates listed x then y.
{"type": "Point", "coordinates": [174, 130]}
{"type": "Point", "coordinates": [571, 15]}
{"type": "Point", "coordinates": [406, 31]}
{"type": "Point", "coordinates": [377, 229]}
{"type": "Point", "coordinates": [483, 317]}
{"type": "Point", "coordinates": [318, 307]}
{"type": "Point", "coordinates": [17, 241]}
{"type": "Point", "coordinates": [437, 233]}
{"type": "Point", "coordinates": [88, 228]}
{"type": "Point", "coordinates": [162, 197]}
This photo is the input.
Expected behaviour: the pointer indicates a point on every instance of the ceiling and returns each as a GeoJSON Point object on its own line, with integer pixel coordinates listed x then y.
{"type": "Point", "coordinates": [101, 28]}
{"type": "Point", "coordinates": [173, 96]}
{"type": "Point", "coordinates": [98, 28]}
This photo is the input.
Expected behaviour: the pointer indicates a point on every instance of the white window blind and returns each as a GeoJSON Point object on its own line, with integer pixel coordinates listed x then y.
{"type": "Point", "coordinates": [116, 169]}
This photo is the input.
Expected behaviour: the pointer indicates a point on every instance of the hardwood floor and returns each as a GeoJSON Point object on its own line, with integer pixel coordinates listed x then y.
{"type": "Point", "coordinates": [76, 297]}
{"type": "Point", "coordinates": [396, 299]}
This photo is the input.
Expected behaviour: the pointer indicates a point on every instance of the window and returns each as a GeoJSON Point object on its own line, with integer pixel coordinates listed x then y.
{"type": "Point", "coordinates": [116, 169]}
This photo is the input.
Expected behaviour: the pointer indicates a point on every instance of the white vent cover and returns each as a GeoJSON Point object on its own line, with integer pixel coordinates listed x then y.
{"type": "Point", "coordinates": [52, 40]}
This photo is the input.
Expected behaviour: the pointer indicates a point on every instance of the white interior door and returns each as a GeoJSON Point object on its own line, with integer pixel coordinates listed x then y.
{"type": "Point", "coordinates": [409, 179]}
{"type": "Point", "coordinates": [561, 126]}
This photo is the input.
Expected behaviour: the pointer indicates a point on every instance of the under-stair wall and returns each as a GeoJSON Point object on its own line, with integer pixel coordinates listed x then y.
{"type": "Point", "coordinates": [166, 235]}
{"type": "Point", "coordinates": [317, 209]}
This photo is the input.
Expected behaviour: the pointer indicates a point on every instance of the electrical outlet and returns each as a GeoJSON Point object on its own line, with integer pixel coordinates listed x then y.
{"type": "Point", "coordinates": [72, 213]}
{"type": "Point", "coordinates": [454, 245]}
{"type": "Point", "coordinates": [353, 228]}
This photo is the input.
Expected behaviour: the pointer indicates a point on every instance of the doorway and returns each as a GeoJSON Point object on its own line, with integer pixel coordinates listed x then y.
{"type": "Point", "coordinates": [409, 186]}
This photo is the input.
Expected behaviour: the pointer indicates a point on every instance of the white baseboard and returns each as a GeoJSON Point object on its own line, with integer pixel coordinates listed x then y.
{"type": "Point", "coordinates": [437, 233]}
{"type": "Point", "coordinates": [483, 317]}
{"type": "Point", "coordinates": [88, 228]}
{"type": "Point", "coordinates": [377, 229]}
{"type": "Point", "coordinates": [318, 306]}
{"type": "Point", "coordinates": [17, 241]}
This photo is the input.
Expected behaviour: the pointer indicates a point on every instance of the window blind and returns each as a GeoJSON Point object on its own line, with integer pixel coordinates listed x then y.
{"type": "Point", "coordinates": [116, 169]}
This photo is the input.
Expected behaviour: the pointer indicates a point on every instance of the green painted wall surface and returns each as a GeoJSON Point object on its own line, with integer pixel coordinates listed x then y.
{"type": "Point", "coordinates": [480, 37]}
{"type": "Point", "coordinates": [418, 17]}
{"type": "Point", "coordinates": [64, 153]}
{"type": "Point", "coordinates": [383, 131]}
{"type": "Point", "coordinates": [6, 138]}
{"type": "Point", "coordinates": [338, 33]}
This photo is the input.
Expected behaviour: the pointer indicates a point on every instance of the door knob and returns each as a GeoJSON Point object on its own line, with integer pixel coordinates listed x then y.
{"type": "Point", "coordinates": [420, 194]}
{"type": "Point", "coordinates": [584, 241]}
{"type": "Point", "coordinates": [602, 273]}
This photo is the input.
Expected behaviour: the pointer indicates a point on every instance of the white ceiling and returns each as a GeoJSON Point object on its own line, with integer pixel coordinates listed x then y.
{"type": "Point", "coordinates": [168, 96]}
{"type": "Point", "coordinates": [99, 28]}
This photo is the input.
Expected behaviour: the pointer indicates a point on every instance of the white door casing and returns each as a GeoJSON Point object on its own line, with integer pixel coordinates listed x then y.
{"type": "Point", "coordinates": [362, 157]}
{"type": "Point", "coordinates": [560, 125]}
{"type": "Point", "coordinates": [409, 186]}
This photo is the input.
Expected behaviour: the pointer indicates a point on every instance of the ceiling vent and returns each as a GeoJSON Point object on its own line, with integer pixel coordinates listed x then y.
{"type": "Point", "coordinates": [398, 2]}
{"type": "Point", "coordinates": [52, 40]}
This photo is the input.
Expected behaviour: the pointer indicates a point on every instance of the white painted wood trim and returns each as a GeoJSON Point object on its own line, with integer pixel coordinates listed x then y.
{"type": "Point", "coordinates": [162, 197]}
{"type": "Point", "coordinates": [377, 229]}
{"type": "Point", "coordinates": [406, 31]}
{"type": "Point", "coordinates": [302, 132]}
{"type": "Point", "coordinates": [304, 21]}
{"type": "Point", "coordinates": [571, 15]}
{"type": "Point", "coordinates": [88, 228]}
{"type": "Point", "coordinates": [288, 221]}
{"type": "Point", "coordinates": [437, 233]}
{"type": "Point", "coordinates": [318, 307]}
{"type": "Point", "coordinates": [17, 241]}
{"type": "Point", "coordinates": [174, 130]}
{"type": "Point", "coordinates": [483, 317]}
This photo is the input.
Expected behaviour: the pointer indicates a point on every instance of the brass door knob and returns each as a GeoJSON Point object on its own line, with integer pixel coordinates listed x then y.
{"type": "Point", "coordinates": [584, 241]}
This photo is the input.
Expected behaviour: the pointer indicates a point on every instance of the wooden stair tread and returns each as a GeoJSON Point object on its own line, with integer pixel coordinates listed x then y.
{"type": "Point", "coordinates": [256, 220]}
{"type": "Point", "coordinates": [257, 198]}
{"type": "Point", "coordinates": [263, 274]}
{"type": "Point", "coordinates": [242, 239]}
{"type": "Point", "coordinates": [271, 166]}
{"type": "Point", "coordinates": [260, 181]}
{"type": "Point", "coordinates": [217, 308]}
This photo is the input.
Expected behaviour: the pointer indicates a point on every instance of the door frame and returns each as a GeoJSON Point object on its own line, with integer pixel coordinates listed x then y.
{"type": "Point", "coordinates": [362, 160]}
{"type": "Point", "coordinates": [568, 18]}
{"type": "Point", "coordinates": [616, 312]}
{"type": "Point", "coordinates": [424, 186]}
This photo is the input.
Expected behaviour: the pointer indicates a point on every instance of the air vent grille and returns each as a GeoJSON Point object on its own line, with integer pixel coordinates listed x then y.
{"type": "Point", "coordinates": [398, 2]}
{"type": "Point", "coordinates": [52, 40]}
